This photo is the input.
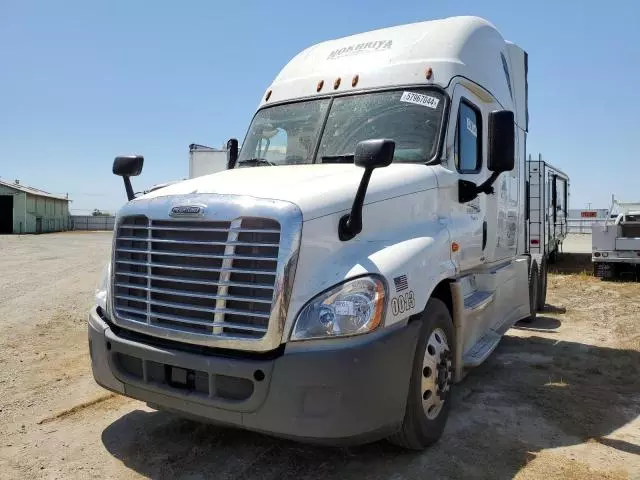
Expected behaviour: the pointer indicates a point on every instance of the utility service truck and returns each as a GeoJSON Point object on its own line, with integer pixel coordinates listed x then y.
{"type": "Point", "coordinates": [548, 198]}
{"type": "Point", "coordinates": [616, 244]}
{"type": "Point", "coordinates": [364, 250]}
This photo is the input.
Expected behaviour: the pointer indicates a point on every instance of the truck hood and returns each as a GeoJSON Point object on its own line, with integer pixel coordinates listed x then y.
{"type": "Point", "coordinates": [318, 190]}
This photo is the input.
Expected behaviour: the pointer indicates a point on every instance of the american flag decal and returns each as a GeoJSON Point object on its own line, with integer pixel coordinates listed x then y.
{"type": "Point", "coordinates": [401, 283]}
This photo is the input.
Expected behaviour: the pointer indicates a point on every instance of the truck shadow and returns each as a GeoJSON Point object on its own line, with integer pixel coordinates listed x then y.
{"type": "Point", "coordinates": [532, 394]}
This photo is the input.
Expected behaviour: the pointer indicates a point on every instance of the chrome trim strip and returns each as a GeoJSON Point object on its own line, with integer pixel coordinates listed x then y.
{"type": "Point", "coordinates": [221, 208]}
{"type": "Point", "coordinates": [225, 275]}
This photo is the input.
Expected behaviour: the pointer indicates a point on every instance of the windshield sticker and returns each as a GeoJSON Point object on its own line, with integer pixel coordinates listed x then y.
{"type": "Point", "coordinates": [420, 99]}
{"type": "Point", "coordinates": [472, 127]}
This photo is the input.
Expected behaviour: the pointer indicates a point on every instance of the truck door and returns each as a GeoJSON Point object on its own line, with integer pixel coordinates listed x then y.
{"type": "Point", "coordinates": [486, 227]}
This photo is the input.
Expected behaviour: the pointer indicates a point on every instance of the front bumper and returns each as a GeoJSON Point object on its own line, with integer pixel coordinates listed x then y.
{"type": "Point", "coordinates": [350, 390]}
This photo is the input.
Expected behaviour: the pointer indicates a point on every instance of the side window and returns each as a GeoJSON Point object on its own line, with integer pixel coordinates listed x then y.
{"type": "Point", "coordinates": [468, 145]}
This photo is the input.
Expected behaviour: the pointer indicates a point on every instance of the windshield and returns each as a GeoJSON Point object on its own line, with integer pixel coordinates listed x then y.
{"type": "Point", "coordinates": [289, 134]}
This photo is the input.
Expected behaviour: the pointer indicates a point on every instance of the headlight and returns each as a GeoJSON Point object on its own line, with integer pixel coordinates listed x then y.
{"type": "Point", "coordinates": [352, 308]}
{"type": "Point", "coordinates": [102, 292]}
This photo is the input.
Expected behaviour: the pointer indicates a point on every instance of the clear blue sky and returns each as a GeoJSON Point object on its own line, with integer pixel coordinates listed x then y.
{"type": "Point", "coordinates": [82, 81]}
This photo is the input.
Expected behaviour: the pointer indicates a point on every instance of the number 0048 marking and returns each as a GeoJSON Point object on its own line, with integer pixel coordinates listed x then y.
{"type": "Point", "coordinates": [403, 303]}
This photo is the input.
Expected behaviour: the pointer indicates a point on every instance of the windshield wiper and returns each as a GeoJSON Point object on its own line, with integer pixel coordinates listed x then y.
{"type": "Point", "coordinates": [345, 158]}
{"type": "Point", "coordinates": [259, 162]}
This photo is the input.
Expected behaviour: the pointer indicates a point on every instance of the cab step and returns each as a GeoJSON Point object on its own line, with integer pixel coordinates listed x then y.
{"type": "Point", "coordinates": [477, 301]}
{"type": "Point", "coordinates": [480, 350]}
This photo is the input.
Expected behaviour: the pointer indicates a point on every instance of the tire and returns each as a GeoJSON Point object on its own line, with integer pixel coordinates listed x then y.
{"type": "Point", "coordinates": [534, 283]}
{"type": "Point", "coordinates": [542, 285]}
{"type": "Point", "coordinates": [426, 413]}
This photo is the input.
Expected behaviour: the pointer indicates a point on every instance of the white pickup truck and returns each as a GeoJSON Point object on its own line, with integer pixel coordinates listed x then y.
{"type": "Point", "coordinates": [365, 249]}
{"type": "Point", "coordinates": [616, 244]}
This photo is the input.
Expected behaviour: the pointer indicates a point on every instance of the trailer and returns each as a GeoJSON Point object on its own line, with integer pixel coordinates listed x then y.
{"type": "Point", "coordinates": [616, 244]}
{"type": "Point", "coordinates": [205, 160]}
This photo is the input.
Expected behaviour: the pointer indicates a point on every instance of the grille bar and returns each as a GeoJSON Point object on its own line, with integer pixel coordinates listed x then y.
{"type": "Point", "coordinates": [197, 277]}
{"type": "Point", "coordinates": [197, 282]}
{"type": "Point", "coordinates": [169, 291]}
{"type": "Point", "coordinates": [195, 269]}
{"type": "Point", "coordinates": [202, 229]}
{"type": "Point", "coordinates": [198, 242]}
{"type": "Point", "coordinates": [178, 319]}
{"type": "Point", "coordinates": [195, 255]}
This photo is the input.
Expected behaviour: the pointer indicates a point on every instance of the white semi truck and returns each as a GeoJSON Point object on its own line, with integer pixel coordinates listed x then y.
{"type": "Point", "coordinates": [365, 249]}
{"type": "Point", "coordinates": [616, 244]}
{"type": "Point", "coordinates": [548, 198]}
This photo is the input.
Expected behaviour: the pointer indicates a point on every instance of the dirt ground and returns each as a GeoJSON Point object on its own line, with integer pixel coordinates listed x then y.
{"type": "Point", "coordinates": [560, 398]}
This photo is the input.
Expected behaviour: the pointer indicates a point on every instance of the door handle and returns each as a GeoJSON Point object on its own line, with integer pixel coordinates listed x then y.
{"type": "Point", "coordinates": [484, 234]}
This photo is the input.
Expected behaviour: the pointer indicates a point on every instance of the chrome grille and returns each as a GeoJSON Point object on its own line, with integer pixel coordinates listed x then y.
{"type": "Point", "coordinates": [201, 277]}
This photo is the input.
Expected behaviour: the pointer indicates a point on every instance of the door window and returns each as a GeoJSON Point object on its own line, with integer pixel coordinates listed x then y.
{"type": "Point", "coordinates": [468, 144]}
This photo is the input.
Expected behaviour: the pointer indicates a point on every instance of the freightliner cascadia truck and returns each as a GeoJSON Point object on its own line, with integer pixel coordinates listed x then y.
{"type": "Point", "coordinates": [361, 253]}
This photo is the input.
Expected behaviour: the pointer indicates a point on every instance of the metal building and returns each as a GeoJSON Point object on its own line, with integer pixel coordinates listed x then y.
{"type": "Point", "coordinates": [26, 209]}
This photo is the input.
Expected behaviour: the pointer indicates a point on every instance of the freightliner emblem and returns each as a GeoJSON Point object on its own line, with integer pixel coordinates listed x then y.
{"type": "Point", "coordinates": [187, 211]}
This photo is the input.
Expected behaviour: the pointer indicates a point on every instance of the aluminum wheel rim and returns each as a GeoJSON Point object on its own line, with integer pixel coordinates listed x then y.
{"type": "Point", "coordinates": [436, 373]}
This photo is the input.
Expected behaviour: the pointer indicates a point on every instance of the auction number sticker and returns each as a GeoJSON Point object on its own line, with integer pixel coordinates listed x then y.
{"type": "Point", "coordinates": [420, 99]}
{"type": "Point", "coordinates": [403, 303]}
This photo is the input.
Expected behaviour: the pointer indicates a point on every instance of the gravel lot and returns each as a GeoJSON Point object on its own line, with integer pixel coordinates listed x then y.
{"type": "Point", "coordinates": [560, 398]}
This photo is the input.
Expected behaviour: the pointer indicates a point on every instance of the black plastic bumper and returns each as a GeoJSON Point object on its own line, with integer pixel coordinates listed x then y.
{"type": "Point", "coordinates": [350, 390]}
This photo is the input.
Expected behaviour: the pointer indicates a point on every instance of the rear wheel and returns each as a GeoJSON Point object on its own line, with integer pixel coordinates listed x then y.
{"type": "Point", "coordinates": [428, 402]}
{"type": "Point", "coordinates": [534, 284]}
{"type": "Point", "coordinates": [542, 285]}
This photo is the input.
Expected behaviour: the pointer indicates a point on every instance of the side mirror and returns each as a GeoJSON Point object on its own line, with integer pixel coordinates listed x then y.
{"type": "Point", "coordinates": [128, 166]}
{"type": "Point", "coordinates": [370, 154]}
{"type": "Point", "coordinates": [501, 141]}
{"type": "Point", "coordinates": [502, 152]}
{"type": "Point", "coordinates": [232, 153]}
{"type": "Point", "coordinates": [374, 153]}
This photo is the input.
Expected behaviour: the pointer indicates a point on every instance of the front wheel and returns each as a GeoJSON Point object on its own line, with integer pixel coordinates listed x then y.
{"type": "Point", "coordinates": [428, 402]}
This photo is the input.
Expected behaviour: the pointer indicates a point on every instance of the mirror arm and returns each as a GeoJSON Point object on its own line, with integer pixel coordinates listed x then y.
{"type": "Point", "coordinates": [128, 188]}
{"type": "Point", "coordinates": [351, 224]}
{"type": "Point", "coordinates": [232, 153]}
{"type": "Point", "coordinates": [487, 185]}
{"type": "Point", "coordinates": [468, 191]}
